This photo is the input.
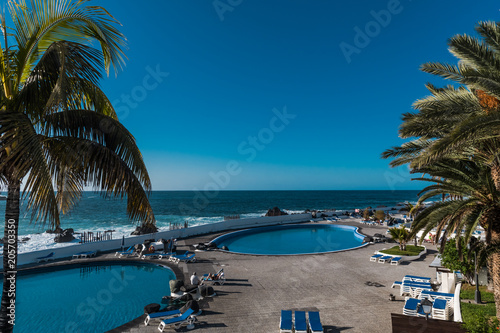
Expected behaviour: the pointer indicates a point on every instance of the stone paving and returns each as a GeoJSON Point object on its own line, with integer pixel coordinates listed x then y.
{"type": "Point", "coordinates": [350, 292]}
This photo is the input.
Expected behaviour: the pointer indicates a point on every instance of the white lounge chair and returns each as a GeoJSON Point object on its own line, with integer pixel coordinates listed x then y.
{"type": "Point", "coordinates": [185, 319]}
{"type": "Point", "coordinates": [161, 315]}
{"type": "Point", "coordinates": [375, 257]}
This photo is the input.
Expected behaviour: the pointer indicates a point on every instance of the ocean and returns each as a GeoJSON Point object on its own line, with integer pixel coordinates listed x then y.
{"type": "Point", "coordinates": [94, 213]}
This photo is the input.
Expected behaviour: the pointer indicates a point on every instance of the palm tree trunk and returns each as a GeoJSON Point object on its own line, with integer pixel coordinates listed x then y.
{"type": "Point", "coordinates": [495, 174]}
{"type": "Point", "coordinates": [8, 305]}
{"type": "Point", "coordinates": [494, 270]}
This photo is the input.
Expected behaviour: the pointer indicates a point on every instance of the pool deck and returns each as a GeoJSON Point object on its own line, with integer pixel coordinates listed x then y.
{"type": "Point", "coordinates": [350, 292]}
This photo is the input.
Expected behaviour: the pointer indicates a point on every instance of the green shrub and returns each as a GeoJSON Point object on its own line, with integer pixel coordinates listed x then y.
{"type": "Point", "coordinates": [478, 318]}
{"type": "Point", "coordinates": [478, 322]}
{"type": "Point", "coordinates": [411, 250]}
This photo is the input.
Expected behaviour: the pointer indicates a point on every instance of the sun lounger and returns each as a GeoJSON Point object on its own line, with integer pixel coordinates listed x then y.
{"type": "Point", "coordinates": [186, 258]}
{"type": "Point", "coordinates": [440, 309]}
{"type": "Point", "coordinates": [46, 258]}
{"type": "Point", "coordinates": [164, 255]}
{"type": "Point", "coordinates": [384, 259]}
{"type": "Point", "coordinates": [433, 295]}
{"type": "Point", "coordinates": [411, 307]}
{"type": "Point", "coordinates": [300, 322]}
{"type": "Point", "coordinates": [126, 253]}
{"type": "Point", "coordinates": [396, 283]}
{"type": "Point", "coordinates": [414, 289]}
{"type": "Point", "coordinates": [219, 278]}
{"type": "Point", "coordinates": [177, 322]}
{"type": "Point", "coordinates": [286, 324]}
{"type": "Point", "coordinates": [396, 260]}
{"type": "Point", "coordinates": [161, 315]}
{"type": "Point", "coordinates": [375, 257]}
{"type": "Point", "coordinates": [415, 278]}
{"type": "Point", "coordinates": [87, 254]}
{"type": "Point", "coordinates": [314, 322]}
{"type": "Point", "coordinates": [173, 256]}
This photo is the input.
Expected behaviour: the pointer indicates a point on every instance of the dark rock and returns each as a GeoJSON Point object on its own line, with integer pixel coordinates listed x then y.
{"type": "Point", "coordinates": [150, 308]}
{"type": "Point", "coordinates": [275, 212]}
{"type": "Point", "coordinates": [65, 236]}
{"type": "Point", "coordinates": [145, 229]}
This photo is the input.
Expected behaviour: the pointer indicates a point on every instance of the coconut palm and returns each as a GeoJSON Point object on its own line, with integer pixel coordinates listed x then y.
{"type": "Point", "coordinates": [58, 131]}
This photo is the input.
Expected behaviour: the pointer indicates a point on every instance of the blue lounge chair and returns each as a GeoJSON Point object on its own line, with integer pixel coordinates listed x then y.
{"type": "Point", "coordinates": [46, 258]}
{"type": "Point", "coordinates": [161, 315]}
{"type": "Point", "coordinates": [286, 324]}
{"type": "Point", "coordinates": [375, 257]}
{"type": "Point", "coordinates": [177, 322]}
{"type": "Point", "coordinates": [440, 309]}
{"type": "Point", "coordinates": [314, 322]}
{"type": "Point", "coordinates": [127, 252]}
{"type": "Point", "coordinates": [186, 258]}
{"type": "Point", "coordinates": [411, 305]}
{"type": "Point", "coordinates": [415, 278]}
{"type": "Point", "coordinates": [173, 256]}
{"type": "Point", "coordinates": [300, 322]}
{"type": "Point", "coordinates": [384, 259]}
{"type": "Point", "coordinates": [396, 260]}
{"type": "Point", "coordinates": [87, 254]}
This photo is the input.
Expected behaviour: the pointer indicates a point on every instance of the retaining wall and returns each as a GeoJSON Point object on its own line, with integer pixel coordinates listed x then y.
{"type": "Point", "coordinates": [116, 244]}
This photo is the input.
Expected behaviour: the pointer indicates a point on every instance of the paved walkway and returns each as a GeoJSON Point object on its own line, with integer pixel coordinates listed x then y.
{"type": "Point", "coordinates": [350, 292]}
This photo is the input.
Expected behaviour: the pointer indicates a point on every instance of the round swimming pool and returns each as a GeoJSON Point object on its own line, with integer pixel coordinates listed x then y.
{"type": "Point", "coordinates": [292, 239]}
{"type": "Point", "coordinates": [94, 298]}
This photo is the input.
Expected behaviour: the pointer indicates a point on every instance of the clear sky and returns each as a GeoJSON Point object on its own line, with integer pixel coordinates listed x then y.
{"type": "Point", "coordinates": [280, 94]}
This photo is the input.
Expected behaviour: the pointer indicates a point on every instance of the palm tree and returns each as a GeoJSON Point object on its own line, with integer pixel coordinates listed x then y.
{"type": "Point", "coordinates": [58, 131]}
{"type": "Point", "coordinates": [400, 235]}
{"type": "Point", "coordinates": [461, 123]}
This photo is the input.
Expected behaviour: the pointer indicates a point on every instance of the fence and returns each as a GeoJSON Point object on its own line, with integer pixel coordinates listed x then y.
{"type": "Point", "coordinates": [89, 236]}
{"type": "Point", "coordinates": [410, 324]}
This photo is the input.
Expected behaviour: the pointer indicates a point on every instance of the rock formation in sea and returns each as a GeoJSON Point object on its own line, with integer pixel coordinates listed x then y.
{"type": "Point", "coordinates": [275, 212]}
{"type": "Point", "coordinates": [65, 236]}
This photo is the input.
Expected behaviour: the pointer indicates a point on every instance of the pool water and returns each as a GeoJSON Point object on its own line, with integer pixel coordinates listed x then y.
{"type": "Point", "coordinates": [90, 299]}
{"type": "Point", "coordinates": [292, 239]}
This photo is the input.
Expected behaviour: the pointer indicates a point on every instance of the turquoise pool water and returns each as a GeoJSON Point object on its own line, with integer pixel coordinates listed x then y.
{"type": "Point", "coordinates": [292, 239]}
{"type": "Point", "coordinates": [89, 299]}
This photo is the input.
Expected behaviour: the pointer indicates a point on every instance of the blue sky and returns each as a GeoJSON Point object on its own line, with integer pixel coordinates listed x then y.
{"type": "Point", "coordinates": [239, 94]}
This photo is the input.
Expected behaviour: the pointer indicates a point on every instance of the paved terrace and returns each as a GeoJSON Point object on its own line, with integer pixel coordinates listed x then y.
{"type": "Point", "coordinates": [350, 292]}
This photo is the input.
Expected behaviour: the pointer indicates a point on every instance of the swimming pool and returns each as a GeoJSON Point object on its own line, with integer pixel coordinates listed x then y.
{"type": "Point", "coordinates": [292, 239]}
{"type": "Point", "coordinates": [91, 298]}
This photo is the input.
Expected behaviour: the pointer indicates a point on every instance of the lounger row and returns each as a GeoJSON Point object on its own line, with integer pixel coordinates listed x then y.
{"type": "Point", "coordinates": [384, 258]}
{"type": "Point", "coordinates": [440, 309]}
{"type": "Point", "coordinates": [300, 325]}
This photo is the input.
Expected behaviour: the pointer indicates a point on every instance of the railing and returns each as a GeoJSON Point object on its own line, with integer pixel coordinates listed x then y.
{"type": "Point", "coordinates": [89, 236]}
{"type": "Point", "coordinates": [231, 217]}
{"type": "Point", "coordinates": [178, 225]}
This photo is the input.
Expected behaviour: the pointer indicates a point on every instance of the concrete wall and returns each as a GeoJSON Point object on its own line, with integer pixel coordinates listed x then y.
{"type": "Point", "coordinates": [115, 244]}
